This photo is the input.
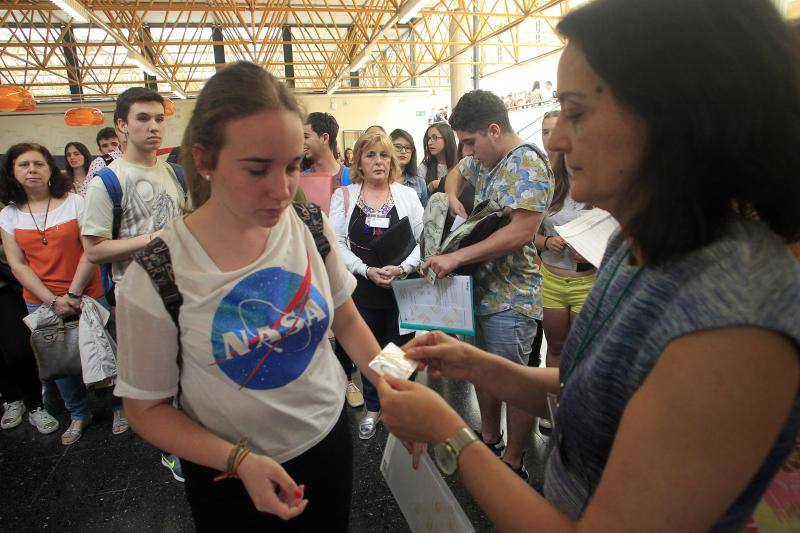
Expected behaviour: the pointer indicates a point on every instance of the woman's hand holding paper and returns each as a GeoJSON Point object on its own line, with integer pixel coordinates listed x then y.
{"type": "Point", "coordinates": [444, 355]}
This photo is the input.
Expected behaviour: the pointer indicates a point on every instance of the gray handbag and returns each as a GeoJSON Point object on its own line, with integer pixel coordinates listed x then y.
{"type": "Point", "coordinates": [56, 350]}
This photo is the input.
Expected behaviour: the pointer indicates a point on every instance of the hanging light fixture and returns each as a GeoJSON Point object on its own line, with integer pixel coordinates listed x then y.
{"type": "Point", "coordinates": [28, 102]}
{"type": "Point", "coordinates": [169, 107]}
{"type": "Point", "coordinates": [10, 98]}
{"type": "Point", "coordinates": [84, 116]}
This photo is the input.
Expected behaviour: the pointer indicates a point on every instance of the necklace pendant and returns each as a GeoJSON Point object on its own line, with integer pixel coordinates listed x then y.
{"type": "Point", "coordinates": [44, 240]}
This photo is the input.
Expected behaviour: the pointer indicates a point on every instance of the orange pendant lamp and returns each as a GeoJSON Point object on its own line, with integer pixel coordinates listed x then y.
{"type": "Point", "coordinates": [169, 107]}
{"type": "Point", "coordinates": [10, 98]}
{"type": "Point", "coordinates": [28, 103]}
{"type": "Point", "coordinates": [84, 116]}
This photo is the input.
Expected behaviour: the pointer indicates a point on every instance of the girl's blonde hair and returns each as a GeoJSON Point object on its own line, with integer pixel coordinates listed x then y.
{"type": "Point", "coordinates": [366, 140]}
{"type": "Point", "coordinates": [237, 91]}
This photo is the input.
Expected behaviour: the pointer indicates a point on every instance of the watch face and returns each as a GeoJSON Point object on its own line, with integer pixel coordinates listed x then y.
{"type": "Point", "coordinates": [445, 458]}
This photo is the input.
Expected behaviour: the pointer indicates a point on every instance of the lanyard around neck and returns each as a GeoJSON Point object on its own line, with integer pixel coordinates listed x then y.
{"type": "Point", "coordinates": [589, 335]}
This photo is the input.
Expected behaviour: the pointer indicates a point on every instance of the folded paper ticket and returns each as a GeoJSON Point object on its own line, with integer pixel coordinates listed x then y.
{"type": "Point", "coordinates": [393, 361]}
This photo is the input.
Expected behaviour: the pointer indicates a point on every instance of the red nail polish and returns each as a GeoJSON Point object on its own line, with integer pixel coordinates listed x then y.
{"type": "Point", "coordinates": [298, 494]}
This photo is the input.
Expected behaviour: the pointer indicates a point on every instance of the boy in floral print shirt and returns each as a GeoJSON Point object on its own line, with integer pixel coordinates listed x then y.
{"type": "Point", "coordinates": [507, 284]}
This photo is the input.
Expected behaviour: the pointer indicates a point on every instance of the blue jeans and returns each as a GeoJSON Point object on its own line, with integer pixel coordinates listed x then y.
{"type": "Point", "coordinates": [71, 388]}
{"type": "Point", "coordinates": [507, 334]}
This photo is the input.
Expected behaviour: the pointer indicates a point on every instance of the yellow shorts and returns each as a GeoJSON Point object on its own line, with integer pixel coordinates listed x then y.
{"type": "Point", "coordinates": [559, 292]}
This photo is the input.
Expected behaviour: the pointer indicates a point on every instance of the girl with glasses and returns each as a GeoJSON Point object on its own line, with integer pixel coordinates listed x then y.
{"type": "Point", "coordinates": [406, 154]}
{"type": "Point", "coordinates": [440, 154]}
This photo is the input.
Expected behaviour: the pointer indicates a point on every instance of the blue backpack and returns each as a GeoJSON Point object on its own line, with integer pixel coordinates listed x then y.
{"type": "Point", "coordinates": [345, 176]}
{"type": "Point", "coordinates": [114, 189]}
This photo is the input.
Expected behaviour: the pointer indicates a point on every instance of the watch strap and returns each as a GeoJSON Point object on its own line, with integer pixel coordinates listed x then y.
{"type": "Point", "coordinates": [462, 438]}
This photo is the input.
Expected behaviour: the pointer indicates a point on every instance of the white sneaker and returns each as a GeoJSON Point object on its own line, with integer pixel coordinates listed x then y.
{"type": "Point", "coordinates": [353, 395]}
{"type": "Point", "coordinates": [544, 423]}
{"type": "Point", "coordinates": [13, 415]}
{"type": "Point", "coordinates": [43, 421]}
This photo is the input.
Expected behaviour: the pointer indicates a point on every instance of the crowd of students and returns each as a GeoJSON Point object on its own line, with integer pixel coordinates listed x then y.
{"type": "Point", "coordinates": [240, 286]}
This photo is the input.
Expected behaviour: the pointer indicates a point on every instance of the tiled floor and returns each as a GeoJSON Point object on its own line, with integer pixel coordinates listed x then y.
{"type": "Point", "coordinates": [106, 483]}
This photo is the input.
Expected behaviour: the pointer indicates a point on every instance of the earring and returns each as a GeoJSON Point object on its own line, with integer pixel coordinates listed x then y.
{"type": "Point", "coordinates": [207, 177]}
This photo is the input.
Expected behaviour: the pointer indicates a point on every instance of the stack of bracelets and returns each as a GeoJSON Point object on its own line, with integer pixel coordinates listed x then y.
{"type": "Point", "coordinates": [237, 455]}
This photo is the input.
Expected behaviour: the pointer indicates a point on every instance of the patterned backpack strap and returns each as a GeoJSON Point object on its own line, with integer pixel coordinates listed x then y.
{"type": "Point", "coordinates": [157, 262]}
{"type": "Point", "coordinates": [311, 215]}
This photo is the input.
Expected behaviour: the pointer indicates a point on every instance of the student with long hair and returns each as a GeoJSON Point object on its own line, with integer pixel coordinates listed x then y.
{"type": "Point", "coordinates": [440, 148]}
{"type": "Point", "coordinates": [693, 317]}
{"type": "Point", "coordinates": [261, 392]}
{"type": "Point", "coordinates": [406, 153]}
{"type": "Point", "coordinates": [78, 160]}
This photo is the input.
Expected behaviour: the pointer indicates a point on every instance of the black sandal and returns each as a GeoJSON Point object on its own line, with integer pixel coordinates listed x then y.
{"type": "Point", "coordinates": [496, 447]}
{"type": "Point", "coordinates": [521, 471]}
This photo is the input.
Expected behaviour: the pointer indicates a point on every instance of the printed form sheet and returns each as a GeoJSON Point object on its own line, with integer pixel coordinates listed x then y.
{"type": "Point", "coordinates": [589, 233]}
{"type": "Point", "coordinates": [446, 305]}
{"type": "Point", "coordinates": [426, 501]}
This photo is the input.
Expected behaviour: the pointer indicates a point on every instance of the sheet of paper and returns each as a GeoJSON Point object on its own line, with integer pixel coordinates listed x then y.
{"type": "Point", "coordinates": [589, 233]}
{"type": "Point", "coordinates": [392, 360]}
{"type": "Point", "coordinates": [427, 503]}
{"type": "Point", "coordinates": [446, 306]}
{"type": "Point", "coordinates": [457, 222]}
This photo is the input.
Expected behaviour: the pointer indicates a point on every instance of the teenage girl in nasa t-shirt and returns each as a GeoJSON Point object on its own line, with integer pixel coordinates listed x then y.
{"type": "Point", "coordinates": [258, 301]}
{"type": "Point", "coordinates": [256, 362]}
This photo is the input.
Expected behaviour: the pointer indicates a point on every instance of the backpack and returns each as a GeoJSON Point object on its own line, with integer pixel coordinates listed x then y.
{"type": "Point", "coordinates": [483, 220]}
{"type": "Point", "coordinates": [437, 238]}
{"type": "Point", "coordinates": [157, 262]}
{"type": "Point", "coordinates": [114, 189]}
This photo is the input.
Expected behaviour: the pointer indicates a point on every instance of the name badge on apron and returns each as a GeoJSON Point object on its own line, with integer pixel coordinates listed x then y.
{"type": "Point", "coordinates": [378, 222]}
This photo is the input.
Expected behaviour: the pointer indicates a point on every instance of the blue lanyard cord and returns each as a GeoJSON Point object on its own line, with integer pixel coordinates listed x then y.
{"type": "Point", "coordinates": [590, 335]}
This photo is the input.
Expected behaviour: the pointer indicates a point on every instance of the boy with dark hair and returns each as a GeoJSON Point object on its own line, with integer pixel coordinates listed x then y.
{"type": "Point", "coordinates": [107, 140]}
{"type": "Point", "coordinates": [151, 192]}
{"type": "Point", "coordinates": [507, 283]}
{"type": "Point", "coordinates": [136, 196]}
{"type": "Point", "coordinates": [477, 110]}
{"type": "Point", "coordinates": [111, 145]}
{"type": "Point", "coordinates": [319, 134]}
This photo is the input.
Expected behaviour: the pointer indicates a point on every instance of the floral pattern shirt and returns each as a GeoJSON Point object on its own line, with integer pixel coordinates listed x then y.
{"type": "Point", "coordinates": [521, 180]}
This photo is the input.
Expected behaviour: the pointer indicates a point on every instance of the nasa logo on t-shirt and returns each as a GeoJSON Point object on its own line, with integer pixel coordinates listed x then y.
{"type": "Point", "coordinates": [257, 340]}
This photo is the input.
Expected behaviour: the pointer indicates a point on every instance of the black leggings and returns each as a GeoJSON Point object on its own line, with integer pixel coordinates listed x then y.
{"type": "Point", "coordinates": [326, 470]}
{"type": "Point", "coordinates": [19, 377]}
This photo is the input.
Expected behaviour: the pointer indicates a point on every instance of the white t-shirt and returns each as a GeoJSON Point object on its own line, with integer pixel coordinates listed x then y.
{"type": "Point", "coordinates": [285, 400]}
{"type": "Point", "coordinates": [151, 197]}
{"type": "Point", "coordinates": [12, 218]}
{"type": "Point", "coordinates": [53, 263]}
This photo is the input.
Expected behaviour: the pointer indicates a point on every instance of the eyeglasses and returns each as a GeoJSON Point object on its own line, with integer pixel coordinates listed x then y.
{"type": "Point", "coordinates": [400, 148]}
{"type": "Point", "coordinates": [434, 138]}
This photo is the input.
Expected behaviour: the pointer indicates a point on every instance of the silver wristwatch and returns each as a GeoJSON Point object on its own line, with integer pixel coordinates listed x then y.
{"type": "Point", "coordinates": [446, 453]}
